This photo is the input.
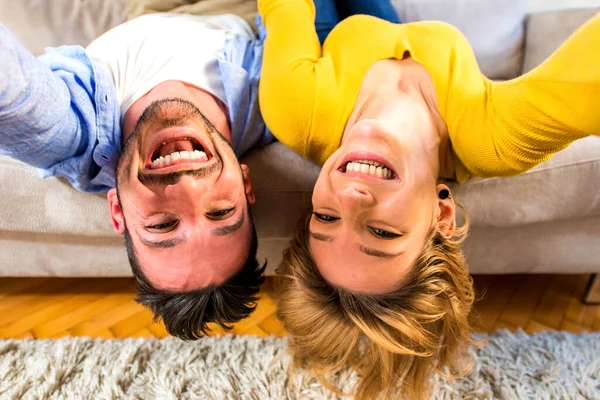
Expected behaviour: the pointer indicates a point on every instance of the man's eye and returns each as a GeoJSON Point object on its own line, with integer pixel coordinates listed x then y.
{"type": "Point", "coordinates": [324, 217]}
{"type": "Point", "coordinates": [380, 233]}
{"type": "Point", "coordinates": [219, 214]}
{"type": "Point", "coordinates": [163, 227]}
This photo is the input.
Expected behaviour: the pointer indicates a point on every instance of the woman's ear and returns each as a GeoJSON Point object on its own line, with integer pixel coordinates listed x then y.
{"type": "Point", "coordinates": [446, 220]}
{"type": "Point", "coordinates": [116, 212]}
{"type": "Point", "coordinates": [248, 184]}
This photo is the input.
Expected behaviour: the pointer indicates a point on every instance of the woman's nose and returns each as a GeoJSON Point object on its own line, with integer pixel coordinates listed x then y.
{"type": "Point", "coordinates": [355, 197]}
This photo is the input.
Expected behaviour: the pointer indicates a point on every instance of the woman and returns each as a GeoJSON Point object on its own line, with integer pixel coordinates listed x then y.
{"type": "Point", "coordinates": [376, 277]}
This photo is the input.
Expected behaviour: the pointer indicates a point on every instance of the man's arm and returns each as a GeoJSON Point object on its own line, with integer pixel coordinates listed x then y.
{"type": "Point", "coordinates": [56, 111]}
{"type": "Point", "coordinates": [37, 121]}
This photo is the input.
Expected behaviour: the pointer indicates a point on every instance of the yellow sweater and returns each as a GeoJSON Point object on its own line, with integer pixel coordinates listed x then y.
{"type": "Point", "coordinates": [307, 93]}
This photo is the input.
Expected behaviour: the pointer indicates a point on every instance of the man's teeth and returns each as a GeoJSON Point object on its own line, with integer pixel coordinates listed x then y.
{"type": "Point", "coordinates": [178, 155]}
{"type": "Point", "coordinates": [372, 168]}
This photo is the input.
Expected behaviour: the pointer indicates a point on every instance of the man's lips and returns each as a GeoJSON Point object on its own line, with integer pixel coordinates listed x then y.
{"type": "Point", "coordinates": [180, 165]}
{"type": "Point", "coordinates": [168, 135]}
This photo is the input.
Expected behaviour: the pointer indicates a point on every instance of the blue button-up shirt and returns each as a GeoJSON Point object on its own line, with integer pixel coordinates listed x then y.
{"type": "Point", "coordinates": [59, 112]}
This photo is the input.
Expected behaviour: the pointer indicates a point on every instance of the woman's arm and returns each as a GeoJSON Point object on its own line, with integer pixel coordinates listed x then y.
{"type": "Point", "coordinates": [520, 123]}
{"type": "Point", "coordinates": [290, 70]}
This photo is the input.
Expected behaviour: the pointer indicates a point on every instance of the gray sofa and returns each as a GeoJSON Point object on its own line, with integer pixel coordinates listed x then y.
{"type": "Point", "coordinates": [545, 221]}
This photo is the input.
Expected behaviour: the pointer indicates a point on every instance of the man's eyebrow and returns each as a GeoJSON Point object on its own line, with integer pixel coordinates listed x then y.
{"type": "Point", "coordinates": [162, 244]}
{"type": "Point", "coordinates": [227, 229]}
{"type": "Point", "coordinates": [377, 253]}
{"type": "Point", "coordinates": [318, 236]}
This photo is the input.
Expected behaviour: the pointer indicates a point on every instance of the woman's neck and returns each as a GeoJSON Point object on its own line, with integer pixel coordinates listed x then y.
{"type": "Point", "coordinates": [395, 91]}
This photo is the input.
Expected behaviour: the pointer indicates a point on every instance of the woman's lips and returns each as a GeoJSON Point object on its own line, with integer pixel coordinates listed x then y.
{"type": "Point", "coordinates": [368, 166]}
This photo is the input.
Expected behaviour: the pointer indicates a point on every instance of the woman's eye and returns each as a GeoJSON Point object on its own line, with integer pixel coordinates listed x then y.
{"type": "Point", "coordinates": [324, 217]}
{"type": "Point", "coordinates": [164, 227]}
{"type": "Point", "coordinates": [384, 234]}
{"type": "Point", "coordinates": [219, 213]}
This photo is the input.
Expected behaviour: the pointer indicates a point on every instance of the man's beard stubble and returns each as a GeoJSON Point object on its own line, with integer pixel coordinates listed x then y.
{"type": "Point", "coordinates": [157, 118]}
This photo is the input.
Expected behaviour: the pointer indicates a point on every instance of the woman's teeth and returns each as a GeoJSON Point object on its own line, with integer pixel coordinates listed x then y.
{"type": "Point", "coordinates": [372, 168]}
{"type": "Point", "coordinates": [178, 155]}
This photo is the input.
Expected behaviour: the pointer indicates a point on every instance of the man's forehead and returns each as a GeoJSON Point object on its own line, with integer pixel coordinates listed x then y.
{"type": "Point", "coordinates": [199, 262]}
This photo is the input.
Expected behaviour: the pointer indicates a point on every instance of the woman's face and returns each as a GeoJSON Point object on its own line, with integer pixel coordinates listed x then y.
{"type": "Point", "coordinates": [374, 204]}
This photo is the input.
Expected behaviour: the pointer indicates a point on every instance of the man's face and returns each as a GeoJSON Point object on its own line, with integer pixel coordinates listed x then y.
{"type": "Point", "coordinates": [184, 198]}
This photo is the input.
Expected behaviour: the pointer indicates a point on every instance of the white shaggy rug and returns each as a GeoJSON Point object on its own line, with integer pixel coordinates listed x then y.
{"type": "Point", "coordinates": [551, 365]}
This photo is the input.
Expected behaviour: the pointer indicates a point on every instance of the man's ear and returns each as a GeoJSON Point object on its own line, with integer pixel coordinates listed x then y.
{"type": "Point", "coordinates": [248, 184]}
{"type": "Point", "coordinates": [446, 220]}
{"type": "Point", "coordinates": [116, 212]}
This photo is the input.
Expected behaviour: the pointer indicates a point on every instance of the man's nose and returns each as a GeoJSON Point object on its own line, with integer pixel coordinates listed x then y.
{"type": "Point", "coordinates": [192, 186]}
{"type": "Point", "coordinates": [355, 197]}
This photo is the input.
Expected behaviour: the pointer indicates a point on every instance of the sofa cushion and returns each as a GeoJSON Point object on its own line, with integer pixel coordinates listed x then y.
{"type": "Point", "coordinates": [247, 9]}
{"type": "Point", "coordinates": [547, 30]}
{"type": "Point", "coordinates": [38, 24]}
{"type": "Point", "coordinates": [494, 28]}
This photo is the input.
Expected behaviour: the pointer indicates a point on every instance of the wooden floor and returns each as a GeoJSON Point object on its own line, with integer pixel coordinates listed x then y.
{"type": "Point", "coordinates": [53, 308]}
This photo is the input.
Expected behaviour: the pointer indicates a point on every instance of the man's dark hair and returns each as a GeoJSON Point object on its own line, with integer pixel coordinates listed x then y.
{"type": "Point", "coordinates": [186, 314]}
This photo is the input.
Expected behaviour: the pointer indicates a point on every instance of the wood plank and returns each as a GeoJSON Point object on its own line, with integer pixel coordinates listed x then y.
{"type": "Point", "coordinates": [216, 330]}
{"type": "Point", "coordinates": [58, 335]}
{"type": "Point", "coordinates": [534, 326]}
{"type": "Point", "coordinates": [525, 300]}
{"type": "Point", "coordinates": [136, 322]}
{"type": "Point", "coordinates": [254, 331]}
{"type": "Point", "coordinates": [57, 305]}
{"type": "Point", "coordinates": [271, 325]}
{"type": "Point", "coordinates": [552, 308]}
{"type": "Point", "coordinates": [495, 298]}
{"type": "Point", "coordinates": [577, 312]}
{"type": "Point", "coordinates": [9, 286]}
{"type": "Point", "coordinates": [81, 313]}
{"type": "Point", "coordinates": [102, 333]}
{"type": "Point", "coordinates": [500, 324]}
{"type": "Point", "coordinates": [569, 326]}
{"type": "Point", "coordinates": [16, 305]}
{"type": "Point", "coordinates": [266, 307]}
{"type": "Point", "coordinates": [142, 333]}
{"type": "Point", "coordinates": [158, 330]}
{"type": "Point", "coordinates": [593, 291]}
{"type": "Point", "coordinates": [106, 319]}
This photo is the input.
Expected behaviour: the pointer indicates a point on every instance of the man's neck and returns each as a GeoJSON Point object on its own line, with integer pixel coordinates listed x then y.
{"type": "Point", "coordinates": [212, 108]}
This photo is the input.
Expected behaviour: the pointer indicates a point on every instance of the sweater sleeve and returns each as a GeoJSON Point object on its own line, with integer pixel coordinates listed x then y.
{"type": "Point", "coordinates": [520, 123]}
{"type": "Point", "coordinates": [289, 75]}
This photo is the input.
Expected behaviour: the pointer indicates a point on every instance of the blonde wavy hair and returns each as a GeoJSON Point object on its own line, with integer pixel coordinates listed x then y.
{"type": "Point", "coordinates": [395, 341]}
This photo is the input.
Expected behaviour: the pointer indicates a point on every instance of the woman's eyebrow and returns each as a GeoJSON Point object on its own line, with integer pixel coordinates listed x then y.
{"type": "Point", "coordinates": [318, 236]}
{"type": "Point", "coordinates": [378, 253]}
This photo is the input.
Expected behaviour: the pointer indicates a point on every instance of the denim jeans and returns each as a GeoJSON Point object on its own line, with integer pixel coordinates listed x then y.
{"type": "Point", "coordinates": [330, 12]}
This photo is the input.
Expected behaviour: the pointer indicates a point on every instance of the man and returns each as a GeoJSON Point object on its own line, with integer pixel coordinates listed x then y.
{"type": "Point", "coordinates": [177, 94]}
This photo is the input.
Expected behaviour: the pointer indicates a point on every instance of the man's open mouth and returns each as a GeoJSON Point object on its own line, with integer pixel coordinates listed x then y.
{"type": "Point", "coordinates": [178, 151]}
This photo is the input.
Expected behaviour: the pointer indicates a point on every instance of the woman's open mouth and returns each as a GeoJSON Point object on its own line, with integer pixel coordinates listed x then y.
{"type": "Point", "coordinates": [367, 166]}
{"type": "Point", "coordinates": [371, 168]}
{"type": "Point", "coordinates": [176, 151]}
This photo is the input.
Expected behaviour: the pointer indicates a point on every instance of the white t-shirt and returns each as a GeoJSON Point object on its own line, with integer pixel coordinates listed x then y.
{"type": "Point", "coordinates": [155, 48]}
